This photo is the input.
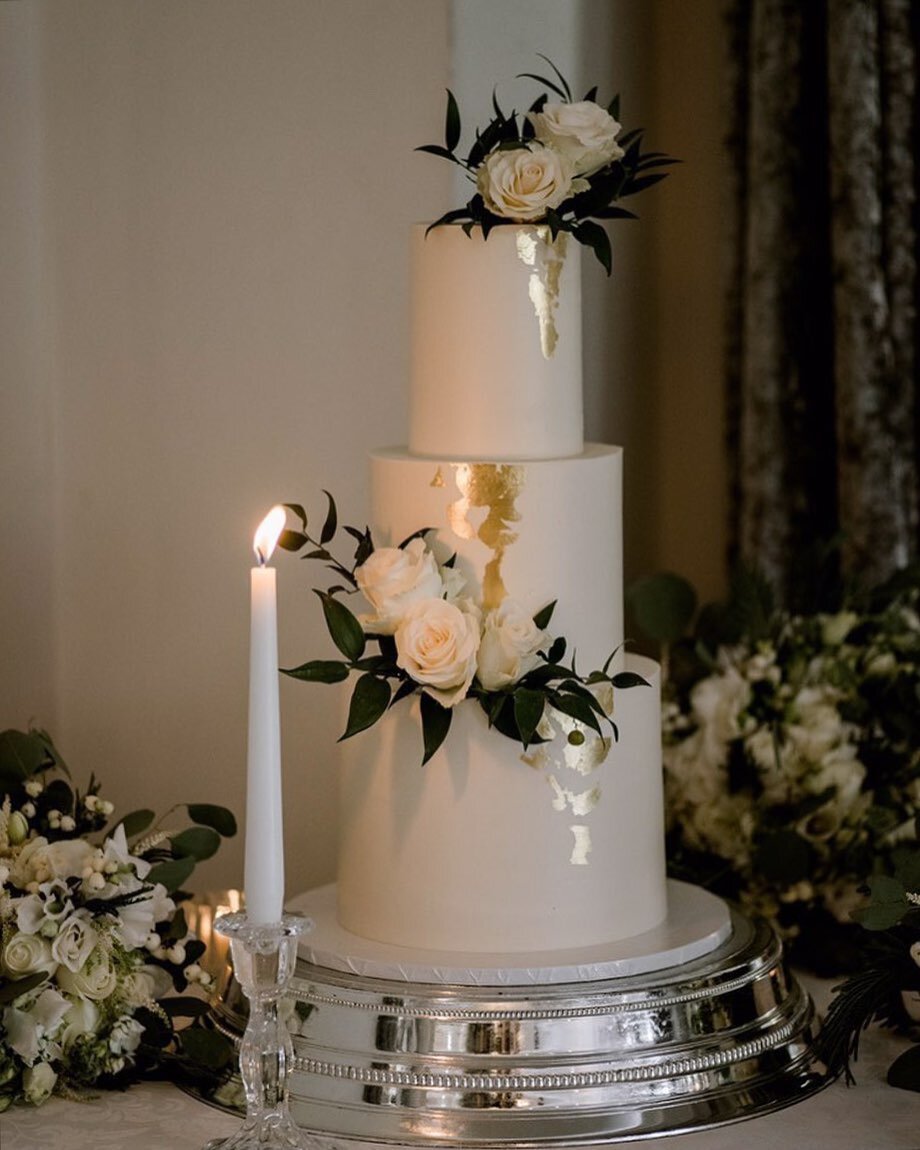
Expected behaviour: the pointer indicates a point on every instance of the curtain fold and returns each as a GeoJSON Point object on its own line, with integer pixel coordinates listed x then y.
{"type": "Point", "coordinates": [821, 364]}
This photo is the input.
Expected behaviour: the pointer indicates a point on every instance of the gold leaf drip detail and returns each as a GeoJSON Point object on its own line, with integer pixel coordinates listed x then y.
{"type": "Point", "coordinates": [496, 487]}
{"type": "Point", "coordinates": [438, 480]}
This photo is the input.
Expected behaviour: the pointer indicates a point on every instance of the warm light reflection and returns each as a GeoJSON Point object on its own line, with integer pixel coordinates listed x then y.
{"type": "Point", "coordinates": [267, 535]}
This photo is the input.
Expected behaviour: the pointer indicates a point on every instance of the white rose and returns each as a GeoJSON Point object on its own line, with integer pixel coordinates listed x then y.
{"type": "Point", "coordinates": [524, 183]}
{"type": "Point", "coordinates": [508, 647]}
{"type": "Point", "coordinates": [38, 1082]}
{"type": "Point", "coordinates": [82, 1018]}
{"type": "Point", "coordinates": [75, 941]}
{"type": "Point", "coordinates": [584, 132]}
{"type": "Point", "coordinates": [436, 644]}
{"type": "Point", "coordinates": [393, 578]}
{"type": "Point", "coordinates": [97, 980]}
{"type": "Point", "coordinates": [27, 954]}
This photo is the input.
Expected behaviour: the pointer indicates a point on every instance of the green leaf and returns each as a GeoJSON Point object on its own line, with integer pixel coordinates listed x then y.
{"type": "Point", "coordinates": [528, 711]}
{"type": "Point", "coordinates": [370, 699]}
{"type": "Point", "coordinates": [436, 722]}
{"type": "Point", "coordinates": [319, 671]}
{"type": "Point", "coordinates": [184, 1006]}
{"type": "Point", "coordinates": [452, 123]}
{"type": "Point", "coordinates": [22, 754]}
{"type": "Point", "coordinates": [208, 815]}
{"type": "Point", "coordinates": [904, 1072]}
{"type": "Point", "coordinates": [137, 822]}
{"type": "Point", "coordinates": [596, 238]}
{"type": "Point", "coordinates": [662, 606]}
{"type": "Point", "coordinates": [576, 708]}
{"type": "Point", "coordinates": [332, 521]}
{"type": "Point", "coordinates": [346, 631]}
{"type": "Point", "coordinates": [437, 150]}
{"type": "Point", "coordinates": [208, 1048]}
{"type": "Point", "coordinates": [543, 616]}
{"type": "Point", "coordinates": [298, 511]}
{"type": "Point", "coordinates": [888, 904]}
{"type": "Point", "coordinates": [9, 991]}
{"type": "Point", "coordinates": [178, 928]}
{"type": "Point", "coordinates": [292, 540]}
{"type": "Point", "coordinates": [171, 874]}
{"type": "Point", "coordinates": [196, 842]}
{"type": "Point", "coordinates": [623, 680]}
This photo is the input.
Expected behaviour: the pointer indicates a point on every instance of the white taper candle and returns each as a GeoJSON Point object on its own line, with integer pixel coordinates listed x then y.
{"type": "Point", "coordinates": [264, 865]}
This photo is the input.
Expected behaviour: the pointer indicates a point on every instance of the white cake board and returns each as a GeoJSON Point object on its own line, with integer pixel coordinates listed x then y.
{"type": "Point", "coordinates": [697, 923]}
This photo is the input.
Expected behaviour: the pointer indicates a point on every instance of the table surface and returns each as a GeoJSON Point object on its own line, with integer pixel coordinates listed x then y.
{"type": "Point", "coordinates": [157, 1116]}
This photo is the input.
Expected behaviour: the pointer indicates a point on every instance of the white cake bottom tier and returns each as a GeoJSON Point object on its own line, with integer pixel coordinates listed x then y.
{"type": "Point", "coordinates": [538, 531]}
{"type": "Point", "coordinates": [490, 848]}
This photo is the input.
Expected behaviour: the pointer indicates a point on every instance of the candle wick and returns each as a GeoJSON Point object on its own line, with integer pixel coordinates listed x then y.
{"type": "Point", "coordinates": [260, 556]}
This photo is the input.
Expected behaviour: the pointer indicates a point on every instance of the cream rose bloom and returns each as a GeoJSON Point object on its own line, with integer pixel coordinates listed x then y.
{"type": "Point", "coordinates": [523, 183]}
{"type": "Point", "coordinates": [27, 954]}
{"type": "Point", "coordinates": [75, 941]}
{"type": "Point", "coordinates": [392, 579]}
{"type": "Point", "coordinates": [436, 644]}
{"type": "Point", "coordinates": [97, 980]}
{"type": "Point", "coordinates": [508, 647]}
{"type": "Point", "coordinates": [584, 132]}
{"type": "Point", "coordinates": [38, 1082]}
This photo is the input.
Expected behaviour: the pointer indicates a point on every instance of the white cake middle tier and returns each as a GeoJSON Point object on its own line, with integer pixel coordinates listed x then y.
{"type": "Point", "coordinates": [537, 531]}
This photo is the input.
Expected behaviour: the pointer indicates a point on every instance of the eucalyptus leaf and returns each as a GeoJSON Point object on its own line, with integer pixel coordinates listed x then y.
{"type": "Point", "coordinates": [209, 815]}
{"type": "Point", "coordinates": [436, 722]}
{"type": "Point", "coordinates": [662, 605]}
{"type": "Point", "coordinates": [369, 701]}
{"type": "Point", "coordinates": [196, 842]}
{"type": "Point", "coordinates": [22, 754]}
{"type": "Point", "coordinates": [137, 822]}
{"type": "Point", "coordinates": [172, 874]}
{"type": "Point", "coordinates": [888, 905]}
{"type": "Point", "coordinates": [346, 631]}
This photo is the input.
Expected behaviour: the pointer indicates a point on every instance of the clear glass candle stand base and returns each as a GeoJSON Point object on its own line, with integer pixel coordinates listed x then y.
{"type": "Point", "coordinates": [264, 955]}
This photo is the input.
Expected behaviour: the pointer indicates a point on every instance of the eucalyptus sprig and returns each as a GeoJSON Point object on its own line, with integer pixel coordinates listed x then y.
{"type": "Point", "coordinates": [593, 195]}
{"type": "Point", "coordinates": [516, 711]}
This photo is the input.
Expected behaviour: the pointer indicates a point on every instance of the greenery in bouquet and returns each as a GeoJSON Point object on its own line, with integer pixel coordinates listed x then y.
{"type": "Point", "coordinates": [884, 987]}
{"type": "Point", "coordinates": [563, 163]}
{"type": "Point", "coordinates": [432, 639]}
{"type": "Point", "coordinates": [98, 971]}
{"type": "Point", "coordinates": [791, 750]}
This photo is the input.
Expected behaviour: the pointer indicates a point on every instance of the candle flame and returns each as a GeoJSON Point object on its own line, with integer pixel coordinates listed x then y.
{"type": "Point", "coordinates": [267, 535]}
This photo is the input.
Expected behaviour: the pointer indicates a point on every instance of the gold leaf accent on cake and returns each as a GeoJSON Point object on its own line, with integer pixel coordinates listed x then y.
{"type": "Point", "coordinates": [580, 803]}
{"type": "Point", "coordinates": [546, 258]}
{"type": "Point", "coordinates": [496, 487]}
{"type": "Point", "coordinates": [438, 480]}
{"type": "Point", "coordinates": [582, 845]}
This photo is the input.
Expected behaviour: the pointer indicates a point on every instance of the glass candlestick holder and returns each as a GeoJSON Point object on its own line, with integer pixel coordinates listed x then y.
{"type": "Point", "coordinates": [264, 955]}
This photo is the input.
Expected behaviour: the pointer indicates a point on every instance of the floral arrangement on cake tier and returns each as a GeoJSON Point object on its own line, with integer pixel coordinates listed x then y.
{"type": "Point", "coordinates": [791, 749]}
{"type": "Point", "coordinates": [94, 953]}
{"type": "Point", "coordinates": [563, 163]}
{"type": "Point", "coordinates": [435, 641]}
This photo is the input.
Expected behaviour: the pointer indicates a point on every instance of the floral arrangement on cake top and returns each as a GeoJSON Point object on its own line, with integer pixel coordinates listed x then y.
{"type": "Point", "coordinates": [563, 163]}
{"type": "Point", "coordinates": [791, 750]}
{"type": "Point", "coordinates": [94, 952]}
{"type": "Point", "coordinates": [435, 641]}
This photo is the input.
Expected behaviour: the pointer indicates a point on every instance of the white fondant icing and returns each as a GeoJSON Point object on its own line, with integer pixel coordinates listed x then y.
{"type": "Point", "coordinates": [482, 384]}
{"type": "Point", "coordinates": [469, 853]}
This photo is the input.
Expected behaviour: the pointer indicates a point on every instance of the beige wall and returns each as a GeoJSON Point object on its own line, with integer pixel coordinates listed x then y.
{"type": "Point", "coordinates": [203, 311]}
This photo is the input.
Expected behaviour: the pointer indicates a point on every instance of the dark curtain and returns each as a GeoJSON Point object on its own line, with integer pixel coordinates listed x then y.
{"type": "Point", "coordinates": [821, 343]}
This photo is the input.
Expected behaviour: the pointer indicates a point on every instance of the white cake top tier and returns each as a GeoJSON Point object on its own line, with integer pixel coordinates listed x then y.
{"type": "Point", "coordinates": [496, 368]}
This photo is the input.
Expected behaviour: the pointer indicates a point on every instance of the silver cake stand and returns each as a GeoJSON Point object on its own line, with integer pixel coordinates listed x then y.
{"type": "Point", "coordinates": [696, 1024]}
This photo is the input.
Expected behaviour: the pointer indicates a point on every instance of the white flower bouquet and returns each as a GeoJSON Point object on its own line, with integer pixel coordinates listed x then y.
{"type": "Point", "coordinates": [94, 954]}
{"type": "Point", "coordinates": [435, 640]}
{"type": "Point", "coordinates": [792, 753]}
{"type": "Point", "coordinates": [563, 163]}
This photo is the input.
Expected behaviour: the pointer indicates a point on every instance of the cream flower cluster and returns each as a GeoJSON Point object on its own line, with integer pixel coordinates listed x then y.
{"type": "Point", "coordinates": [773, 742]}
{"type": "Point", "coordinates": [572, 141]}
{"type": "Point", "coordinates": [443, 640]}
{"type": "Point", "coordinates": [76, 926]}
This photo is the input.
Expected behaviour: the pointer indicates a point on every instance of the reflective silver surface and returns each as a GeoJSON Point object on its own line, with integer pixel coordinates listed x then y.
{"type": "Point", "coordinates": [716, 1040]}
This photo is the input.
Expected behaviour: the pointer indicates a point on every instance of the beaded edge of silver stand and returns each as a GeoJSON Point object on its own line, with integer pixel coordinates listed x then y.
{"type": "Point", "coordinates": [387, 1063]}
